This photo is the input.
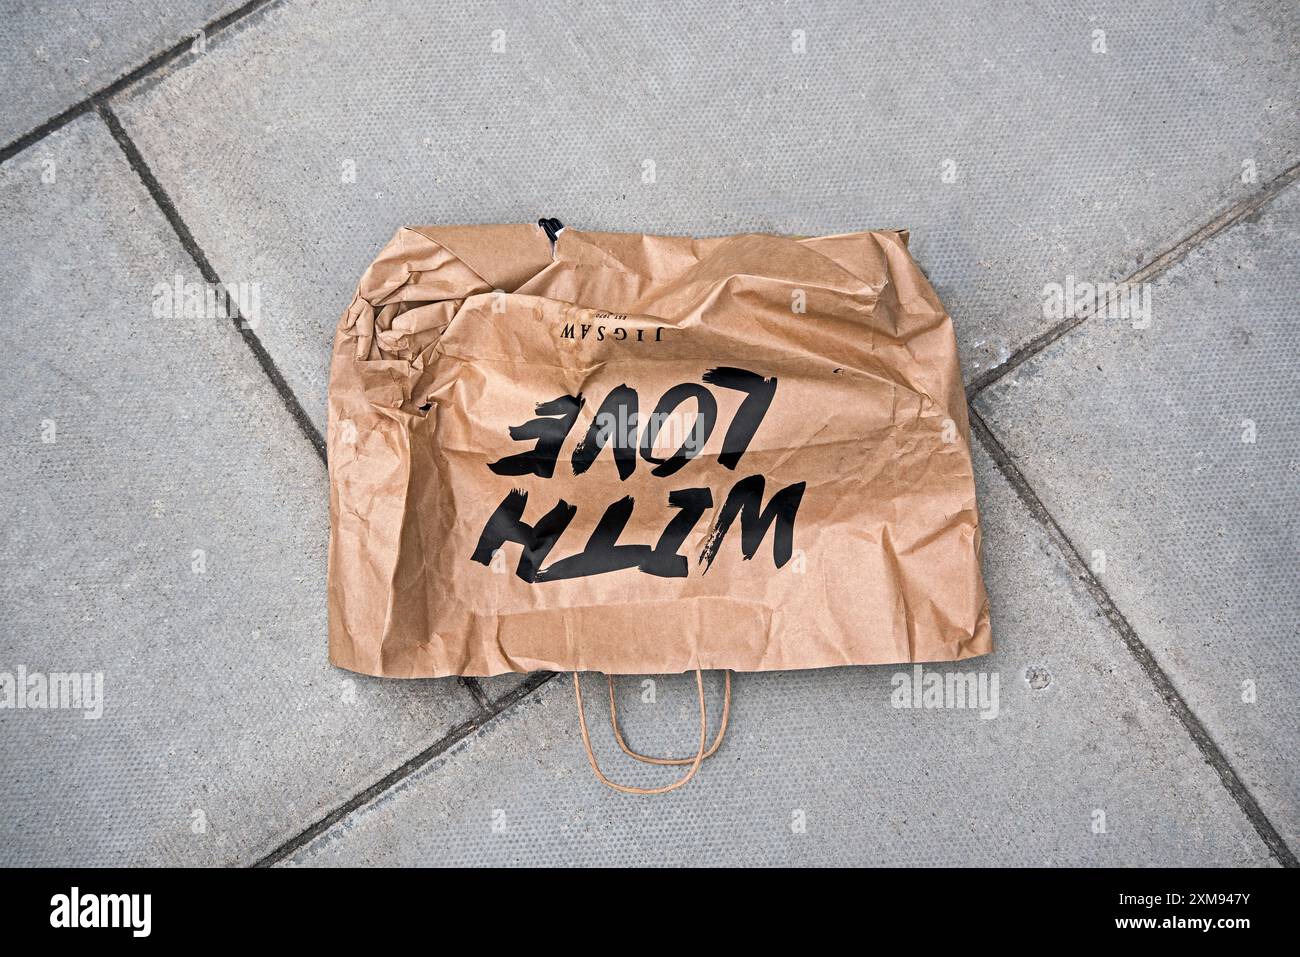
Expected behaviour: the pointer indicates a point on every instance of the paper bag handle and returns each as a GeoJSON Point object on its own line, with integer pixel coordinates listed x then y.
{"type": "Point", "coordinates": [695, 762]}
{"type": "Point", "coordinates": [618, 732]}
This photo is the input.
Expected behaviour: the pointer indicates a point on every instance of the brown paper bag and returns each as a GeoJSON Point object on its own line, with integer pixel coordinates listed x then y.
{"type": "Point", "coordinates": [559, 450]}
{"type": "Point", "coordinates": [648, 454]}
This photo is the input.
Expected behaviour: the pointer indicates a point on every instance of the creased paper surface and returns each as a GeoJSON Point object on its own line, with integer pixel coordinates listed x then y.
{"type": "Point", "coordinates": [646, 454]}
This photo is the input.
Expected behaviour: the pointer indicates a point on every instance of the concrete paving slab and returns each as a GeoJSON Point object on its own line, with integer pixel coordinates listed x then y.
{"type": "Point", "coordinates": [163, 530]}
{"type": "Point", "coordinates": [53, 55]}
{"type": "Point", "coordinates": [1082, 764]}
{"type": "Point", "coordinates": [1170, 455]}
{"type": "Point", "coordinates": [1017, 148]}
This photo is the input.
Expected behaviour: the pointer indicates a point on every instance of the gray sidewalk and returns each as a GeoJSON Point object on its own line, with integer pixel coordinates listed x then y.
{"type": "Point", "coordinates": [1138, 469]}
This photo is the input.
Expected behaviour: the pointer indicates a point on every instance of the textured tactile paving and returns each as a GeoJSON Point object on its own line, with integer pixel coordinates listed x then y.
{"type": "Point", "coordinates": [164, 525]}
{"type": "Point", "coordinates": [53, 55]}
{"type": "Point", "coordinates": [1171, 457]}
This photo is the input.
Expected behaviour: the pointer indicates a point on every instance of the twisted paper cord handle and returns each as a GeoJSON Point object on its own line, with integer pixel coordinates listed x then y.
{"type": "Point", "coordinates": [618, 732]}
{"type": "Point", "coordinates": [694, 762]}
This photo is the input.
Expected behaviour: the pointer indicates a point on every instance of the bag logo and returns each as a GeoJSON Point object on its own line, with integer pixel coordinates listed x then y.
{"type": "Point", "coordinates": [610, 325]}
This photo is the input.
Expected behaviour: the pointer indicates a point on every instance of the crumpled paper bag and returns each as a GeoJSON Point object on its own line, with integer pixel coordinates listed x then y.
{"type": "Point", "coordinates": [648, 454]}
